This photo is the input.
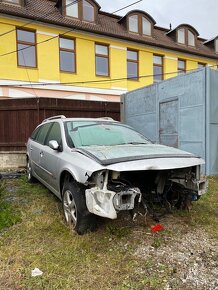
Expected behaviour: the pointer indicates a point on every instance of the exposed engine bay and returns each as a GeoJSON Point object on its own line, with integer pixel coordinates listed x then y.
{"type": "Point", "coordinates": [109, 192]}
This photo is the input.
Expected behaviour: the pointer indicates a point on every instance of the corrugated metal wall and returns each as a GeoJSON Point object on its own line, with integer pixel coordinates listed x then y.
{"type": "Point", "coordinates": [173, 112]}
{"type": "Point", "coordinates": [212, 122]}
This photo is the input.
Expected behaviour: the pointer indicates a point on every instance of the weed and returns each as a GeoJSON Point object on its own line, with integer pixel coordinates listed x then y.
{"type": "Point", "coordinates": [156, 243]}
{"type": "Point", "coordinates": [9, 216]}
{"type": "Point", "coordinates": [119, 232]}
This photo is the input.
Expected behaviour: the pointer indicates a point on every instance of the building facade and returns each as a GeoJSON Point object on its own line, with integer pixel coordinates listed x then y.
{"type": "Point", "coordinates": [72, 49]}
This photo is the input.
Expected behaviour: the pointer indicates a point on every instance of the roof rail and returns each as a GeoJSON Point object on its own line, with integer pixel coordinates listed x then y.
{"type": "Point", "coordinates": [106, 118]}
{"type": "Point", "coordinates": [54, 117]}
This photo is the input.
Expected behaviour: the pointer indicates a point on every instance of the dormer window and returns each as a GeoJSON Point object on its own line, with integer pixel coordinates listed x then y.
{"type": "Point", "coordinates": [146, 26]}
{"type": "Point", "coordinates": [72, 9]}
{"type": "Point", "coordinates": [134, 23]}
{"type": "Point", "coordinates": [88, 12]}
{"type": "Point", "coordinates": [191, 38]}
{"type": "Point", "coordinates": [186, 35]}
{"type": "Point", "coordinates": [216, 45]}
{"type": "Point", "coordinates": [139, 24]}
{"type": "Point", "coordinates": [11, 1]}
{"type": "Point", "coordinates": [181, 35]}
{"type": "Point", "coordinates": [137, 21]}
{"type": "Point", "coordinates": [83, 10]}
{"type": "Point", "coordinates": [212, 44]}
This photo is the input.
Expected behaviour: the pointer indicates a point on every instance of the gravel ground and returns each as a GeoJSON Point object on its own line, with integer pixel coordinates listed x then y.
{"type": "Point", "coordinates": [190, 256]}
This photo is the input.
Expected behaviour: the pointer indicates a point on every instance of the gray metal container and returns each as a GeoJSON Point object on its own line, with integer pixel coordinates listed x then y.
{"type": "Point", "coordinates": [180, 112]}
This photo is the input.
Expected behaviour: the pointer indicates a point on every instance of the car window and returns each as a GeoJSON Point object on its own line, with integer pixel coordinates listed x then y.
{"type": "Point", "coordinates": [54, 134]}
{"type": "Point", "coordinates": [102, 133]}
{"type": "Point", "coordinates": [43, 130]}
{"type": "Point", "coordinates": [35, 133]}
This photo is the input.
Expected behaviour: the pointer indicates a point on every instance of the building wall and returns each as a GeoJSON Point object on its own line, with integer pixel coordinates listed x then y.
{"type": "Point", "coordinates": [48, 58]}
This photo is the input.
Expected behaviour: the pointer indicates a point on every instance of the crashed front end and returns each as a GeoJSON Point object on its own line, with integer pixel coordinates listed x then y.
{"type": "Point", "coordinates": [118, 188]}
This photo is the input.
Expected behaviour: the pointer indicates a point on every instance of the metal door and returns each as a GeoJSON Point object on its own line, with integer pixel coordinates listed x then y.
{"type": "Point", "coordinates": [168, 123]}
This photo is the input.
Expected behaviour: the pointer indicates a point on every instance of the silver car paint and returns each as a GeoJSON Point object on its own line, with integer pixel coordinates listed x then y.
{"type": "Point", "coordinates": [48, 168]}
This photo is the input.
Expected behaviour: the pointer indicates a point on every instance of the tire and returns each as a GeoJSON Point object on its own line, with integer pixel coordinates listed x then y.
{"type": "Point", "coordinates": [30, 177]}
{"type": "Point", "coordinates": [75, 211]}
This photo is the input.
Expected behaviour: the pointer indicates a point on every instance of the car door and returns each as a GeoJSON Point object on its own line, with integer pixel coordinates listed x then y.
{"type": "Point", "coordinates": [50, 158]}
{"type": "Point", "coordinates": [36, 148]}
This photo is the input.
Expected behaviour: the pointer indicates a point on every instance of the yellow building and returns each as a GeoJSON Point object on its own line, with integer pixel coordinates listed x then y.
{"type": "Point", "coordinates": [72, 49]}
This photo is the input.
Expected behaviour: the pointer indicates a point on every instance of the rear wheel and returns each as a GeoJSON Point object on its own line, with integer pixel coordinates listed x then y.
{"type": "Point", "coordinates": [75, 211]}
{"type": "Point", "coordinates": [30, 177]}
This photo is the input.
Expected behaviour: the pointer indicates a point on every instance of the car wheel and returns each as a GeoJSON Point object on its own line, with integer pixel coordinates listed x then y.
{"type": "Point", "coordinates": [30, 177]}
{"type": "Point", "coordinates": [75, 211]}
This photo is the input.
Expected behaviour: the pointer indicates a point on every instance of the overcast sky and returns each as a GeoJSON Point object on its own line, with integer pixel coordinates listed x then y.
{"type": "Point", "coordinates": [201, 14]}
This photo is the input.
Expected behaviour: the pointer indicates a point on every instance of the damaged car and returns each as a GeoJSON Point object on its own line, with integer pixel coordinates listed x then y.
{"type": "Point", "coordinates": [100, 167]}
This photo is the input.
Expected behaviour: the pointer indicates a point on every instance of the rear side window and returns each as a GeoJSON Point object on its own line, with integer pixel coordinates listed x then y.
{"type": "Point", "coordinates": [34, 134]}
{"type": "Point", "coordinates": [42, 133]}
{"type": "Point", "coordinates": [54, 134]}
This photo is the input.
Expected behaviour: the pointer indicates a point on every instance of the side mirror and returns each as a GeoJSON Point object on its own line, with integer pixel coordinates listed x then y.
{"type": "Point", "coordinates": [53, 144]}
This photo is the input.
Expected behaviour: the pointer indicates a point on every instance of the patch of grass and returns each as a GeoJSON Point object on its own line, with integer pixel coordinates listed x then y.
{"type": "Point", "coordinates": [9, 216]}
{"type": "Point", "coordinates": [204, 211]}
{"type": "Point", "coordinates": [118, 232]}
{"type": "Point", "coordinates": [104, 259]}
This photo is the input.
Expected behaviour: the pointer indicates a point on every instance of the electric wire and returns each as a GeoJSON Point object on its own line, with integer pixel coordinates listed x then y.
{"type": "Point", "coordinates": [97, 81]}
{"type": "Point", "coordinates": [51, 38]}
{"type": "Point", "coordinates": [126, 6]}
{"type": "Point", "coordinates": [39, 18]}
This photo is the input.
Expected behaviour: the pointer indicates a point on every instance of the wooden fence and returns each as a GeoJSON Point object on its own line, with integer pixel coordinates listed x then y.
{"type": "Point", "coordinates": [19, 117]}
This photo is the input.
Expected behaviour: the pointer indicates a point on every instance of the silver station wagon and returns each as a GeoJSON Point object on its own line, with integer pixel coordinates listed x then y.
{"type": "Point", "coordinates": [99, 167]}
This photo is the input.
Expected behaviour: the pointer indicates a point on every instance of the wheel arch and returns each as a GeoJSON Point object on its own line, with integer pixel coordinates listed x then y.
{"type": "Point", "coordinates": [65, 175]}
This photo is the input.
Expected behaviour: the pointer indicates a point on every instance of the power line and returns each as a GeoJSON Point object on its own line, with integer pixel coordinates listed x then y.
{"type": "Point", "coordinates": [126, 6]}
{"type": "Point", "coordinates": [39, 18]}
{"type": "Point", "coordinates": [41, 42]}
{"type": "Point", "coordinates": [99, 81]}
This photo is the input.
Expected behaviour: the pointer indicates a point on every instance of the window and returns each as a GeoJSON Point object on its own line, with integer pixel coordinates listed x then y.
{"type": "Point", "coordinates": [82, 10]}
{"type": "Point", "coordinates": [72, 8]}
{"type": "Point", "coordinates": [216, 45]}
{"type": "Point", "coordinates": [26, 48]}
{"type": "Point", "coordinates": [133, 23]}
{"type": "Point", "coordinates": [186, 36]}
{"type": "Point", "coordinates": [132, 65]}
{"type": "Point", "coordinates": [181, 35]}
{"type": "Point", "coordinates": [101, 60]}
{"type": "Point", "coordinates": [181, 66]}
{"type": "Point", "coordinates": [139, 24]}
{"type": "Point", "coordinates": [67, 55]}
{"type": "Point", "coordinates": [201, 65]}
{"type": "Point", "coordinates": [54, 134]}
{"type": "Point", "coordinates": [11, 1]}
{"type": "Point", "coordinates": [146, 26]}
{"type": "Point", "coordinates": [191, 38]}
{"type": "Point", "coordinates": [42, 133]}
{"type": "Point", "coordinates": [158, 68]}
{"type": "Point", "coordinates": [88, 12]}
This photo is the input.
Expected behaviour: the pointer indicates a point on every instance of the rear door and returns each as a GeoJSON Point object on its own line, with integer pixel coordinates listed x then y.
{"type": "Point", "coordinates": [168, 123]}
{"type": "Point", "coordinates": [36, 148]}
{"type": "Point", "coordinates": [50, 158]}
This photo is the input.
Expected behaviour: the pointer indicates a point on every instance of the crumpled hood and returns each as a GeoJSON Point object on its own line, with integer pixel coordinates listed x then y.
{"type": "Point", "coordinates": [107, 155]}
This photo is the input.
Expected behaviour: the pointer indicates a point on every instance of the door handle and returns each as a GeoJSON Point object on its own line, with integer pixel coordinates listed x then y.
{"type": "Point", "coordinates": [41, 154]}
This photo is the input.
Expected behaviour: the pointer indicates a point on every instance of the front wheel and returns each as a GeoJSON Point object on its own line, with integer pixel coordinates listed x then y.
{"type": "Point", "coordinates": [75, 211]}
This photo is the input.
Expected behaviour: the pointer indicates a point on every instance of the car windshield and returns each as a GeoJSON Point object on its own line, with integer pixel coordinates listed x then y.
{"type": "Point", "coordinates": [89, 133]}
